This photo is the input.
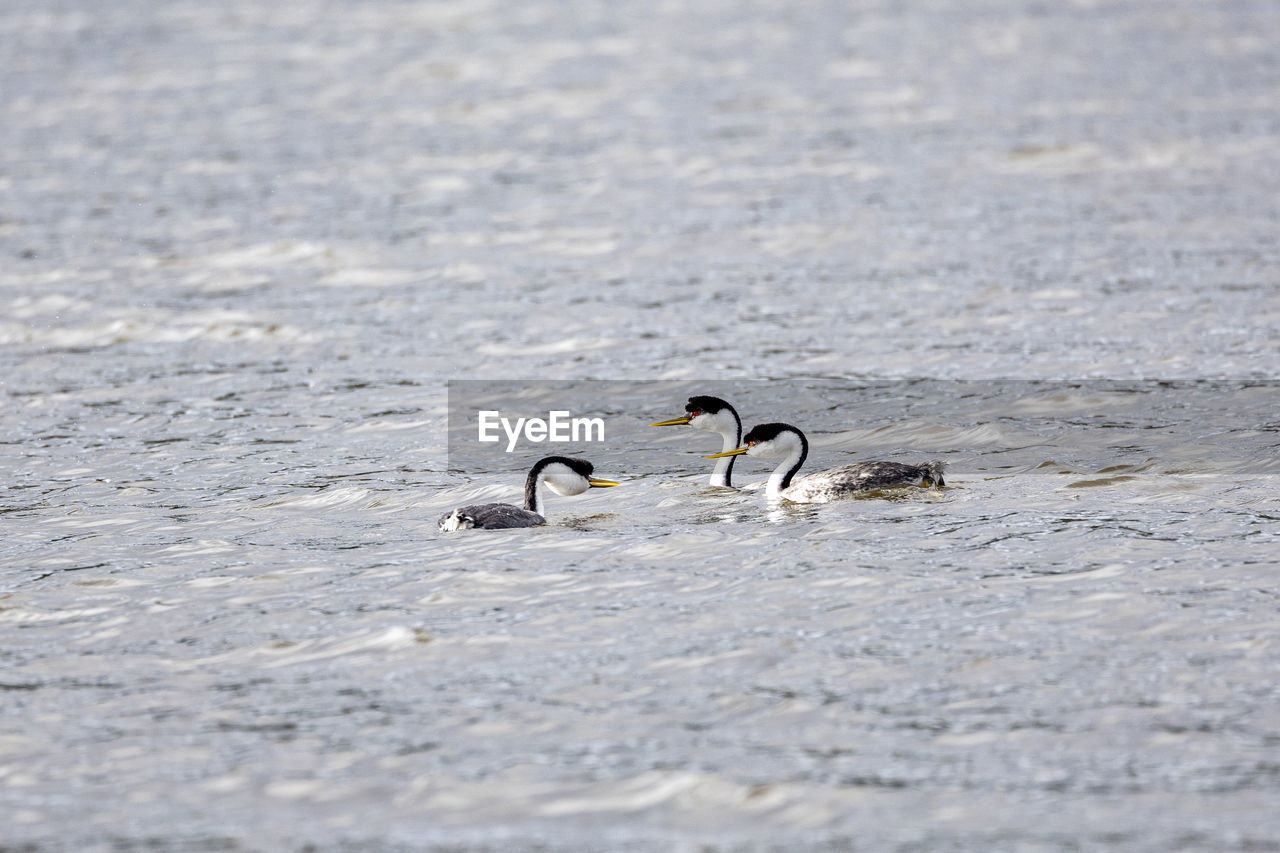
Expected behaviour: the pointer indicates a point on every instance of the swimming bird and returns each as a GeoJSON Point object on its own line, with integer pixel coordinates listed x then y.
{"type": "Point", "coordinates": [713, 415]}
{"type": "Point", "coordinates": [771, 441]}
{"type": "Point", "coordinates": [563, 475]}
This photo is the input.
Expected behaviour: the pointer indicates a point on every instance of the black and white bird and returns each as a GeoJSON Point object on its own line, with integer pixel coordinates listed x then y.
{"type": "Point", "coordinates": [713, 415]}
{"type": "Point", "coordinates": [771, 441]}
{"type": "Point", "coordinates": [563, 475]}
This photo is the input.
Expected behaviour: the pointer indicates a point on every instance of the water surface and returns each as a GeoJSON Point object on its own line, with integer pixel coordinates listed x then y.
{"type": "Point", "coordinates": [246, 245]}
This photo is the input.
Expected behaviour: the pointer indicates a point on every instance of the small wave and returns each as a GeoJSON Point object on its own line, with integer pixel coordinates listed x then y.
{"type": "Point", "coordinates": [288, 653]}
{"type": "Point", "coordinates": [566, 345]}
{"type": "Point", "coordinates": [328, 498]}
{"type": "Point", "coordinates": [156, 327]}
{"type": "Point", "coordinates": [369, 277]}
{"type": "Point", "coordinates": [385, 425]}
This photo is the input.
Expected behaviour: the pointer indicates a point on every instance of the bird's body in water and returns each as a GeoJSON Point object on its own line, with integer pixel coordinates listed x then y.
{"type": "Point", "coordinates": [713, 415]}
{"type": "Point", "coordinates": [562, 475]}
{"type": "Point", "coordinates": [771, 441]}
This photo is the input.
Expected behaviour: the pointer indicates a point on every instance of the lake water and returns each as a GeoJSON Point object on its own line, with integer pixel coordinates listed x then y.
{"type": "Point", "coordinates": [246, 247]}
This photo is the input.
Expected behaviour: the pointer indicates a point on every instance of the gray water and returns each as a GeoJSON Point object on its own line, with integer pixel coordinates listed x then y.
{"type": "Point", "coordinates": [245, 245]}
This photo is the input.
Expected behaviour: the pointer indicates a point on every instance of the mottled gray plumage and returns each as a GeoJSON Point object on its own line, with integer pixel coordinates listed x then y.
{"type": "Point", "coordinates": [490, 517]}
{"type": "Point", "coordinates": [862, 477]}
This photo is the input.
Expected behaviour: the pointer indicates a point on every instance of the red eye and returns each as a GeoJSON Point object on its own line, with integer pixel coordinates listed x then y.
{"type": "Point", "coordinates": [694, 414]}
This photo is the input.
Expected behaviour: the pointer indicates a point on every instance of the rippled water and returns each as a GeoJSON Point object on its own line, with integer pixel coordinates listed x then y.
{"type": "Point", "coordinates": [245, 246]}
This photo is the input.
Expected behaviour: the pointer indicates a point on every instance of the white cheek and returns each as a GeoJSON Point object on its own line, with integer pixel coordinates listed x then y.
{"type": "Point", "coordinates": [717, 422]}
{"type": "Point", "coordinates": [566, 483]}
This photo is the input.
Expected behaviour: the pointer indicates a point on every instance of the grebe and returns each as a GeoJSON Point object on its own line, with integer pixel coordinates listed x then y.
{"type": "Point", "coordinates": [563, 475]}
{"type": "Point", "coordinates": [713, 415]}
{"type": "Point", "coordinates": [770, 441]}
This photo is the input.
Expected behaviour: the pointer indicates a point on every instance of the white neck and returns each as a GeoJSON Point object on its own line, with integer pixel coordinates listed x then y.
{"type": "Point", "coordinates": [724, 465]}
{"type": "Point", "coordinates": [774, 487]}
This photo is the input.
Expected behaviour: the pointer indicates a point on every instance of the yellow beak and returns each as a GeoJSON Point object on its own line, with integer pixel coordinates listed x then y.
{"type": "Point", "coordinates": [733, 452]}
{"type": "Point", "coordinates": [673, 422]}
{"type": "Point", "coordinates": [601, 484]}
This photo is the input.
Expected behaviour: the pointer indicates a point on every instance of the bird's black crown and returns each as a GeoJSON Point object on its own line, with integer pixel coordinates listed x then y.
{"type": "Point", "coordinates": [709, 405]}
{"type": "Point", "coordinates": [767, 432]}
{"type": "Point", "coordinates": [580, 466]}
